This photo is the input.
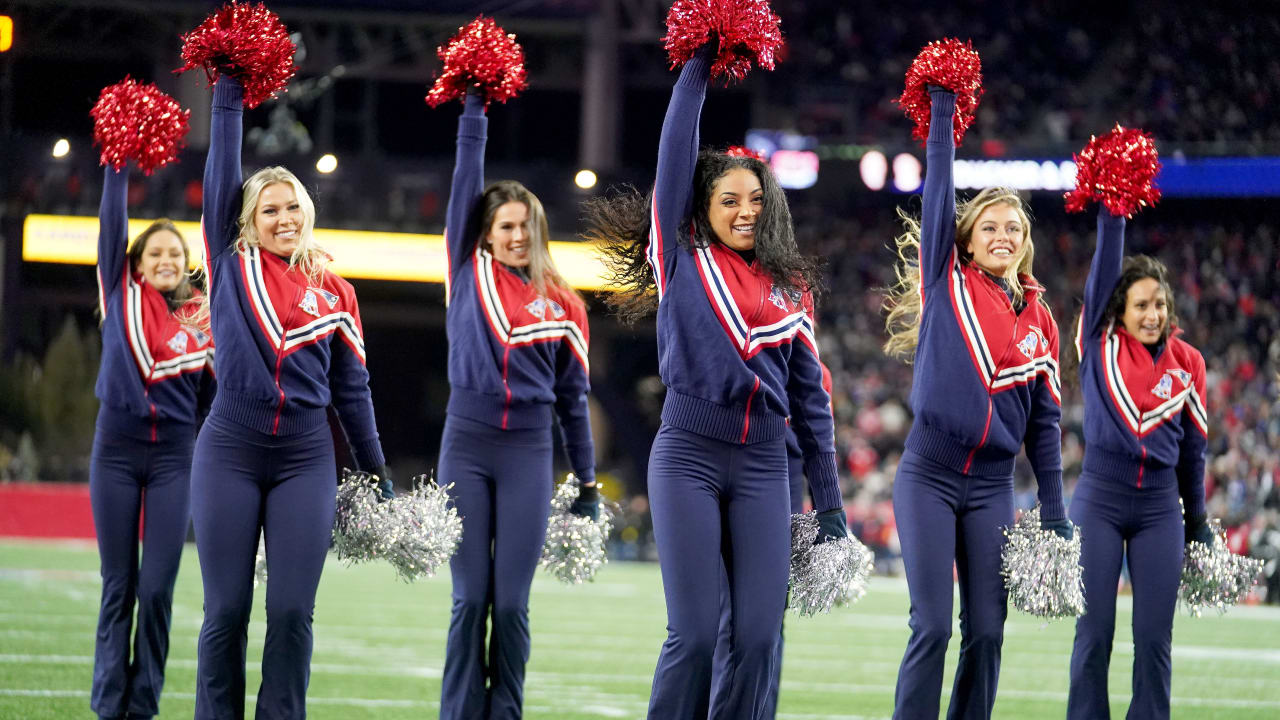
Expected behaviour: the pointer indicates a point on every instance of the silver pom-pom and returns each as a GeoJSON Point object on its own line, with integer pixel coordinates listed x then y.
{"type": "Point", "coordinates": [1213, 576]}
{"type": "Point", "coordinates": [260, 563]}
{"type": "Point", "coordinates": [423, 530]}
{"type": "Point", "coordinates": [361, 520]}
{"type": "Point", "coordinates": [575, 546]}
{"type": "Point", "coordinates": [1041, 570]}
{"type": "Point", "coordinates": [832, 574]}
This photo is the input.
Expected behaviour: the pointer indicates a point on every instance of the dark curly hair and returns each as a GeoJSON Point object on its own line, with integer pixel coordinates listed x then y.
{"type": "Point", "coordinates": [1135, 268]}
{"type": "Point", "coordinates": [619, 224]}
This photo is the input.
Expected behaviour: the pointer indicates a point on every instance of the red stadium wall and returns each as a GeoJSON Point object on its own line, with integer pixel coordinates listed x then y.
{"type": "Point", "coordinates": [45, 510]}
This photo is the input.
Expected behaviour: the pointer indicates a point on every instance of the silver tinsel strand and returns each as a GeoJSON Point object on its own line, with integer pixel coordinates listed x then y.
{"type": "Point", "coordinates": [1215, 577]}
{"type": "Point", "coordinates": [361, 521]}
{"type": "Point", "coordinates": [832, 574]}
{"type": "Point", "coordinates": [417, 532]}
{"type": "Point", "coordinates": [1041, 570]}
{"type": "Point", "coordinates": [575, 546]}
{"type": "Point", "coordinates": [260, 563]}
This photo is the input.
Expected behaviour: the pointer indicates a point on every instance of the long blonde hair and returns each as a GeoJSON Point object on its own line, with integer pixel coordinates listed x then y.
{"type": "Point", "coordinates": [308, 256]}
{"type": "Point", "coordinates": [902, 300]}
{"type": "Point", "coordinates": [542, 269]}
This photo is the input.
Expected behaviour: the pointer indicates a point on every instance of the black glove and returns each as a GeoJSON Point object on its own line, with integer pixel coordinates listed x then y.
{"type": "Point", "coordinates": [588, 503]}
{"type": "Point", "coordinates": [1197, 529]}
{"type": "Point", "coordinates": [832, 525]}
{"type": "Point", "coordinates": [385, 489]}
{"type": "Point", "coordinates": [1063, 527]}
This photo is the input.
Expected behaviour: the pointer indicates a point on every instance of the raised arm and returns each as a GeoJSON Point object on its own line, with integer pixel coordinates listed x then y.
{"type": "Point", "coordinates": [938, 214]}
{"type": "Point", "coordinates": [467, 186]}
{"type": "Point", "coordinates": [677, 159]}
{"type": "Point", "coordinates": [113, 233]}
{"type": "Point", "coordinates": [223, 177]}
{"type": "Point", "coordinates": [1108, 257]}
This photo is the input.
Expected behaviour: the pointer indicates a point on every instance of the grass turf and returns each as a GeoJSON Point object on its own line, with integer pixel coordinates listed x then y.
{"type": "Point", "coordinates": [379, 647]}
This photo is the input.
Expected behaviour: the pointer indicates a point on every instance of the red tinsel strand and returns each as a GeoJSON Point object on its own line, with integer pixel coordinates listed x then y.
{"type": "Point", "coordinates": [481, 56]}
{"type": "Point", "coordinates": [138, 122]}
{"type": "Point", "coordinates": [747, 32]}
{"type": "Point", "coordinates": [953, 65]}
{"type": "Point", "coordinates": [740, 151]}
{"type": "Point", "coordinates": [1118, 170]}
{"type": "Point", "coordinates": [247, 42]}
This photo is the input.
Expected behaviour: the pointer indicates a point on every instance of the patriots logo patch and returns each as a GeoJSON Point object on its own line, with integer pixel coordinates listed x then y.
{"type": "Point", "coordinates": [199, 336]}
{"type": "Point", "coordinates": [309, 304]}
{"type": "Point", "coordinates": [1182, 375]}
{"type": "Point", "coordinates": [1029, 344]}
{"type": "Point", "coordinates": [778, 298]}
{"type": "Point", "coordinates": [557, 312]}
{"type": "Point", "coordinates": [178, 343]}
{"type": "Point", "coordinates": [329, 297]}
{"type": "Point", "coordinates": [1164, 388]}
{"type": "Point", "coordinates": [537, 308]}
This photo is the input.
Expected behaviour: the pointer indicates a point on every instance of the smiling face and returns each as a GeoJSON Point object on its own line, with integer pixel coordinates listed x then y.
{"type": "Point", "coordinates": [1146, 311]}
{"type": "Point", "coordinates": [163, 261]}
{"type": "Point", "coordinates": [509, 236]}
{"type": "Point", "coordinates": [734, 207]}
{"type": "Point", "coordinates": [997, 238]}
{"type": "Point", "coordinates": [278, 219]}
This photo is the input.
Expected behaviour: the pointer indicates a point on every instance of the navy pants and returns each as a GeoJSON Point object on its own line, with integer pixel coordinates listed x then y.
{"type": "Point", "coordinates": [127, 475]}
{"type": "Point", "coordinates": [720, 661]}
{"type": "Point", "coordinates": [717, 504]}
{"type": "Point", "coordinates": [945, 517]}
{"type": "Point", "coordinates": [502, 487]}
{"type": "Point", "coordinates": [243, 481]}
{"type": "Point", "coordinates": [1146, 526]}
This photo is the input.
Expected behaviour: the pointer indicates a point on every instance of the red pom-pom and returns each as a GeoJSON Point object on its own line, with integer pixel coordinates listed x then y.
{"type": "Point", "coordinates": [247, 42]}
{"type": "Point", "coordinates": [950, 64]}
{"type": "Point", "coordinates": [480, 56]}
{"type": "Point", "coordinates": [1117, 170]}
{"type": "Point", "coordinates": [747, 31]}
{"type": "Point", "coordinates": [740, 151]}
{"type": "Point", "coordinates": [133, 121]}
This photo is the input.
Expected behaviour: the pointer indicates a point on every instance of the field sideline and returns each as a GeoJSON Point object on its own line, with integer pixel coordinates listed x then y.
{"type": "Point", "coordinates": [380, 645]}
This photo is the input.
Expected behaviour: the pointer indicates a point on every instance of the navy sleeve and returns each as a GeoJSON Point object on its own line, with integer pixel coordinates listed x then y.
{"type": "Point", "coordinates": [677, 160]}
{"type": "Point", "coordinates": [1043, 440]}
{"type": "Point", "coordinates": [349, 389]}
{"type": "Point", "coordinates": [1108, 257]}
{"type": "Point", "coordinates": [1191, 450]}
{"type": "Point", "coordinates": [813, 425]}
{"type": "Point", "coordinates": [571, 388]}
{"type": "Point", "coordinates": [223, 177]}
{"type": "Point", "coordinates": [113, 233]}
{"type": "Point", "coordinates": [938, 214]}
{"type": "Point", "coordinates": [207, 390]}
{"type": "Point", "coordinates": [467, 186]}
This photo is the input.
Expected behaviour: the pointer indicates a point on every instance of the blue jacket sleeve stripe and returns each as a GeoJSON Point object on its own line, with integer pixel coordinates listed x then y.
{"type": "Point", "coordinates": [113, 234]}
{"type": "Point", "coordinates": [491, 299]}
{"type": "Point", "coordinates": [1119, 393]}
{"type": "Point", "coordinates": [724, 304]}
{"type": "Point", "coordinates": [135, 329]}
{"type": "Point", "coordinates": [262, 306]}
{"type": "Point", "coordinates": [968, 319]}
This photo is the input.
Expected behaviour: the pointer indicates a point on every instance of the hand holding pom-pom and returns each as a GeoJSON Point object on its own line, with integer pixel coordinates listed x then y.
{"type": "Point", "coordinates": [1213, 576]}
{"type": "Point", "coordinates": [949, 64]}
{"type": "Point", "coordinates": [1041, 567]}
{"type": "Point", "coordinates": [135, 121]}
{"type": "Point", "coordinates": [1118, 170]}
{"type": "Point", "coordinates": [247, 42]}
{"type": "Point", "coordinates": [574, 547]}
{"type": "Point", "coordinates": [745, 31]}
{"type": "Point", "coordinates": [828, 569]}
{"type": "Point", "coordinates": [483, 58]}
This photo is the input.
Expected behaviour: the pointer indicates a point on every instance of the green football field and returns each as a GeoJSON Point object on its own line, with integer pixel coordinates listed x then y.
{"type": "Point", "coordinates": [379, 647]}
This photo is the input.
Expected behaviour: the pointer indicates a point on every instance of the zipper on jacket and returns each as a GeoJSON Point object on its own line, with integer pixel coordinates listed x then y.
{"type": "Point", "coordinates": [284, 332]}
{"type": "Point", "coordinates": [746, 417]}
{"type": "Point", "coordinates": [985, 430]}
{"type": "Point", "coordinates": [1142, 466]}
{"type": "Point", "coordinates": [506, 404]}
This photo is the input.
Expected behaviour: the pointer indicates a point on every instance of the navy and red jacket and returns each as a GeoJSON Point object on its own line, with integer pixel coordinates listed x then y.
{"type": "Point", "coordinates": [288, 347]}
{"type": "Point", "coordinates": [986, 375]}
{"type": "Point", "coordinates": [1145, 423]}
{"type": "Point", "coordinates": [736, 353]}
{"type": "Point", "coordinates": [514, 354]}
{"type": "Point", "coordinates": [155, 379]}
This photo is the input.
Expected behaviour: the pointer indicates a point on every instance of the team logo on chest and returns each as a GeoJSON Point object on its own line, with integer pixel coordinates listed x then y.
{"type": "Point", "coordinates": [309, 303]}
{"type": "Point", "coordinates": [199, 336]}
{"type": "Point", "coordinates": [544, 306]}
{"type": "Point", "coordinates": [1183, 376]}
{"type": "Point", "coordinates": [178, 343]}
{"type": "Point", "coordinates": [780, 298]}
{"type": "Point", "coordinates": [1164, 388]}
{"type": "Point", "coordinates": [1035, 340]}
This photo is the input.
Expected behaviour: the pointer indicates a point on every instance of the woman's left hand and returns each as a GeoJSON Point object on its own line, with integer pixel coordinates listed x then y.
{"type": "Point", "coordinates": [832, 525]}
{"type": "Point", "coordinates": [588, 503]}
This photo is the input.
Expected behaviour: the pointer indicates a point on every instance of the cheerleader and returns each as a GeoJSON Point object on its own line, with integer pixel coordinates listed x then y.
{"type": "Point", "coordinates": [968, 312]}
{"type": "Point", "coordinates": [154, 383]}
{"type": "Point", "coordinates": [1145, 431]}
{"type": "Point", "coordinates": [291, 344]}
{"type": "Point", "coordinates": [714, 249]}
{"type": "Point", "coordinates": [517, 357]}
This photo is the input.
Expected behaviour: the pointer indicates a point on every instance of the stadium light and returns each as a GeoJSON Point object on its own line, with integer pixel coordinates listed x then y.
{"type": "Point", "coordinates": [585, 179]}
{"type": "Point", "coordinates": [327, 163]}
{"type": "Point", "coordinates": [6, 32]}
{"type": "Point", "coordinates": [61, 148]}
{"type": "Point", "coordinates": [874, 169]}
{"type": "Point", "coordinates": [908, 173]}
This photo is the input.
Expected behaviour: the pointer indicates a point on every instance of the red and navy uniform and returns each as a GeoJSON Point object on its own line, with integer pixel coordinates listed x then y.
{"type": "Point", "coordinates": [154, 382]}
{"type": "Point", "coordinates": [738, 358]}
{"type": "Point", "coordinates": [985, 385]}
{"type": "Point", "coordinates": [1145, 430]}
{"type": "Point", "coordinates": [516, 356]}
{"type": "Point", "coordinates": [288, 347]}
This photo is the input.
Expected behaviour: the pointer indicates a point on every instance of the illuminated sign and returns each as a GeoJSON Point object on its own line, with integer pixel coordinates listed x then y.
{"type": "Point", "coordinates": [6, 32]}
{"type": "Point", "coordinates": [795, 169]}
{"type": "Point", "coordinates": [408, 257]}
